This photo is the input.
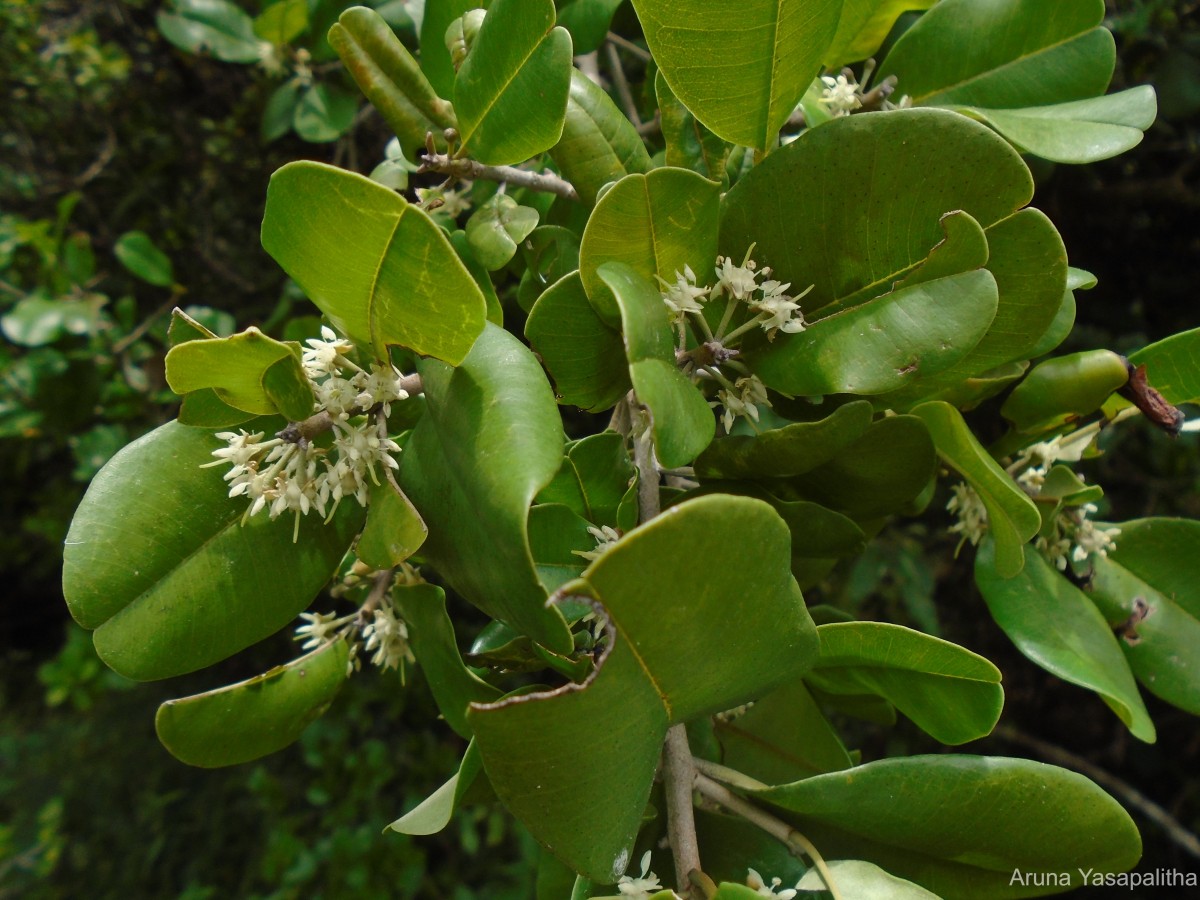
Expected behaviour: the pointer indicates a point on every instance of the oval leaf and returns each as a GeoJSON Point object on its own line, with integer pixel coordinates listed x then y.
{"type": "Point", "coordinates": [137, 253]}
{"type": "Point", "coordinates": [253, 718]}
{"type": "Point", "coordinates": [376, 266]}
{"type": "Point", "coordinates": [218, 27]}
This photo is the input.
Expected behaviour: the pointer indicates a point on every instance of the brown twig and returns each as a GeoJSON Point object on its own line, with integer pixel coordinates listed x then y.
{"type": "Point", "coordinates": [622, 85]}
{"type": "Point", "coordinates": [679, 775]}
{"type": "Point", "coordinates": [547, 182]}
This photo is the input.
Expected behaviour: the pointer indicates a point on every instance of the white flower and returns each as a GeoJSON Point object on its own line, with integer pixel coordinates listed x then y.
{"type": "Point", "coordinates": [737, 281]}
{"type": "Point", "coordinates": [454, 202]}
{"type": "Point", "coordinates": [782, 312]}
{"type": "Point", "coordinates": [683, 296]}
{"type": "Point", "coordinates": [387, 635]}
{"type": "Point", "coordinates": [840, 95]}
{"type": "Point", "coordinates": [1089, 539]}
{"type": "Point", "coordinates": [323, 356]}
{"type": "Point", "coordinates": [381, 385]}
{"type": "Point", "coordinates": [605, 537]}
{"type": "Point", "coordinates": [972, 515]}
{"type": "Point", "coordinates": [1056, 549]}
{"type": "Point", "coordinates": [642, 887]}
{"type": "Point", "coordinates": [319, 628]}
{"type": "Point", "coordinates": [747, 395]}
{"type": "Point", "coordinates": [755, 881]}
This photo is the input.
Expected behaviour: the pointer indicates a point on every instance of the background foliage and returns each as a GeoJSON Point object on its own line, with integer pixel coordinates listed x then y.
{"type": "Point", "coordinates": [110, 129]}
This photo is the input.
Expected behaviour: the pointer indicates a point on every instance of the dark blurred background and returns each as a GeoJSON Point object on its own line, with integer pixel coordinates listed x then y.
{"type": "Point", "coordinates": [108, 128]}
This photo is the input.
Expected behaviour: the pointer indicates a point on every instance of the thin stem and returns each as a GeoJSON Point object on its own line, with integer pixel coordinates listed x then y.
{"type": "Point", "coordinates": [733, 777]}
{"type": "Point", "coordinates": [718, 375]}
{"type": "Point", "coordinates": [743, 328]}
{"type": "Point", "coordinates": [546, 182]}
{"type": "Point", "coordinates": [639, 52]}
{"type": "Point", "coordinates": [622, 84]}
{"type": "Point", "coordinates": [679, 774]}
{"type": "Point", "coordinates": [730, 306]}
{"type": "Point", "coordinates": [649, 504]}
{"type": "Point", "coordinates": [777, 828]}
{"type": "Point", "coordinates": [703, 323]}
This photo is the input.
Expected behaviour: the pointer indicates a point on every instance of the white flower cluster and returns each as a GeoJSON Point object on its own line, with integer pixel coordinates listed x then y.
{"type": "Point", "coordinates": [759, 885]}
{"type": "Point", "coordinates": [453, 202]}
{"type": "Point", "coordinates": [841, 94]}
{"type": "Point", "coordinates": [605, 537]}
{"type": "Point", "coordinates": [384, 635]}
{"type": "Point", "coordinates": [294, 474]}
{"type": "Point", "coordinates": [642, 887]}
{"type": "Point", "coordinates": [742, 399]}
{"type": "Point", "coordinates": [1077, 537]}
{"type": "Point", "coordinates": [972, 516]}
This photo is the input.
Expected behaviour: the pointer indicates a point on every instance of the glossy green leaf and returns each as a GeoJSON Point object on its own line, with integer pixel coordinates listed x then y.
{"type": "Point", "coordinates": [836, 207]}
{"type": "Point", "coordinates": [431, 632]}
{"type": "Point", "coordinates": [657, 224]}
{"type": "Point", "coordinates": [1173, 366]}
{"type": "Point", "coordinates": [681, 421]}
{"type": "Point", "coordinates": [205, 409]}
{"type": "Point", "coordinates": [740, 67]}
{"type": "Point", "coordinates": [324, 113]}
{"type": "Point", "coordinates": [585, 357]}
{"type": "Point", "coordinates": [877, 347]}
{"type": "Point", "coordinates": [858, 878]}
{"type": "Point", "coordinates": [1012, 517]}
{"type": "Point", "coordinates": [378, 267]}
{"type": "Point", "coordinates": [1057, 627]}
{"type": "Point", "coordinates": [218, 27]}
{"type": "Point", "coordinates": [496, 229]}
{"type": "Point", "coordinates": [782, 738]}
{"type": "Point", "coordinates": [170, 579]}
{"type": "Point", "coordinates": [433, 813]}
{"type": "Point", "coordinates": [483, 279]}
{"type": "Point", "coordinates": [959, 826]}
{"type": "Point", "coordinates": [435, 56]}
{"type": "Point", "coordinates": [689, 144]}
{"type": "Point", "coordinates": [595, 477]}
{"type": "Point", "coordinates": [950, 693]}
{"type": "Point", "coordinates": [280, 112]}
{"type": "Point", "coordinates": [747, 622]}
{"type": "Point", "coordinates": [489, 441]}
{"type": "Point", "coordinates": [249, 371]}
{"type": "Point", "coordinates": [557, 534]}
{"type": "Point", "coordinates": [1002, 54]}
{"type": "Point", "coordinates": [783, 452]}
{"type": "Point", "coordinates": [588, 22]}
{"type": "Point", "coordinates": [863, 27]}
{"type": "Point", "coordinates": [1082, 131]}
{"type": "Point", "coordinates": [283, 21]}
{"type": "Point", "coordinates": [550, 252]}
{"type": "Point", "coordinates": [390, 77]}
{"type": "Point", "coordinates": [253, 718]}
{"type": "Point", "coordinates": [136, 251]}
{"type": "Point", "coordinates": [598, 144]}
{"type": "Point", "coordinates": [1064, 389]}
{"type": "Point", "coordinates": [1156, 560]}
{"type": "Point", "coordinates": [510, 95]}
{"type": "Point", "coordinates": [394, 530]}
{"type": "Point", "coordinates": [877, 474]}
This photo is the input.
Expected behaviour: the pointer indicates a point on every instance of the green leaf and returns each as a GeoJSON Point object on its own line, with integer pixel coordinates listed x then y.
{"type": "Point", "coordinates": [218, 27]}
{"type": "Point", "coordinates": [1001, 54]}
{"type": "Point", "coordinates": [950, 693]}
{"type": "Point", "coordinates": [1057, 627]}
{"type": "Point", "coordinates": [37, 320]}
{"type": "Point", "coordinates": [378, 267]}
{"type": "Point", "coordinates": [489, 441]}
{"type": "Point", "coordinates": [1012, 517]}
{"type": "Point", "coordinates": [858, 878]}
{"type": "Point", "coordinates": [433, 813]}
{"type": "Point", "coordinates": [253, 718]}
{"type": "Point", "coordinates": [881, 471]}
{"type": "Point", "coordinates": [587, 21]}
{"type": "Point", "coordinates": [431, 632]}
{"type": "Point", "coordinates": [782, 738]}
{"type": "Point", "coordinates": [689, 144]}
{"type": "Point", "coordinates": [585, 356]}
{"type": "Point", "coordinates": [389, 76]}
{"type": "Point", "coordinates": [596, 475]}
{"type": "Point", "coordinates": [682, 423]}
{"type": "Point", "coordinates": [1065, 389]}
{"type": "Point", "coordinates": [394, 530]}
{"type": "Point", "coordinates": [511, 91]}
{"type": "Point", "coordinates": [435, 56]}
{"type": "Point", "coordinates": [1082, 131]}
{"type": "Point", "coordinates": [961, 825]}
{"type": "Point", "coordinates": [324, 113]}
{"type": "Point", "coordinates": [1155, 560]}
{"type": "Point", "coordinates": [280, 111]}
{"type": "Point", "coordinates": [657, 224]}
{"type": "Point", "coordinates": [783, 452]}
{"type": "Point", "coordinates": [748, 624]}
{"type": "Point", "coordinates": [879, 346]}
{"type": "Point", "coordinates": [556, 532]}
{"type": "Point", "coordinates": [282, 22]}
{"type": "Point", "coordinates": [137, 252]}
{"type": "Point", "coordinates": [169, 577]}
{"type": "Point", "coordinates": [598, 143]}
{"type": "Point", "coordinates": [248, 371]}
{"type": "Point", "coordinates": [483, 280]}
{"type": "Point", "coordinates": [550, 252]}
{"type": "Point", "coordinates": [496, 229]}
{"type": "Point", "coordinates": [863, 27]}
{"type": "Point", "coordinates": [1173, 366]}
{"type": "Point", "coordinates": [825, 210]}
{"type": "Point", "coordinates": [740, 67]}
